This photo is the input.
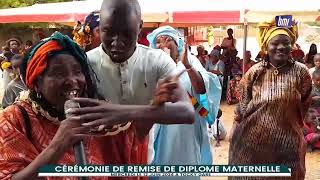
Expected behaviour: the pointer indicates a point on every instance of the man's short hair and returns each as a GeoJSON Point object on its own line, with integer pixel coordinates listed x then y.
{"type": "Point", "coordinates": [230, 30]}
{"type": "Point", "coordinates": [134, 4]}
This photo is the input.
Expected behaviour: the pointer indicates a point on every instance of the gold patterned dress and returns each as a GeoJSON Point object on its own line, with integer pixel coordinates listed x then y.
{"type": "Point", "coordinates": [270, 116]}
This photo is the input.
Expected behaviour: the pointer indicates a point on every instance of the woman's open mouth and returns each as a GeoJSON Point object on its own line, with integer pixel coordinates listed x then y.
{"type": "Point", "coordinates": [72, 94]}
{"type": "Point", "coordinates": [281, 54]}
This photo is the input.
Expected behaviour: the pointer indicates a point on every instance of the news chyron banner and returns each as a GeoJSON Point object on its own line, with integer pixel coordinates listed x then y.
{"type": "Point", "coordinates": [165, 170]}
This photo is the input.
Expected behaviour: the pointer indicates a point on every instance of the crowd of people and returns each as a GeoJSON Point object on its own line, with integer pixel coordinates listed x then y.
{"type": "Point", "coordinates": [217, 62]}
{"type": "Point", "coordinates": [155, 104]}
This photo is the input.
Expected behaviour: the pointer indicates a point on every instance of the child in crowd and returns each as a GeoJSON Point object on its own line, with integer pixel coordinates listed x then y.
{"type": "Point", "coordinates": [233, 93]}
{"type": "Point", "coordinates": [312, 124]}
{"type": "Point", "coordinates": [217, 130]}
{"type": "Point", "coordinates": [316, 61]}
{"type": "Point", "coordinates": [311, 131]}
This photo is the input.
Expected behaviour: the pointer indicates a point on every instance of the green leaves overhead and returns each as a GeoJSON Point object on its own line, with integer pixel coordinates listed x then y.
{"type": "Point", "coordinates": [22, 3]}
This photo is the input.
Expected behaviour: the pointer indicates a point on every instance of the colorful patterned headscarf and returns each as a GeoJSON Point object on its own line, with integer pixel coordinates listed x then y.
{"type": "Point", "coordinates": [82, 34]}
{"type": "Point", "coordinates": [268, 30]}
{"type": "Point", "coordinates": [36, 61]}
{"type": "Point", "coordinates": [166, 31]}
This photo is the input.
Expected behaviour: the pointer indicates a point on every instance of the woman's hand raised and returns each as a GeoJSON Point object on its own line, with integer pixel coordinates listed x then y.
{"type": "Point", "coordinates": [168, 90]}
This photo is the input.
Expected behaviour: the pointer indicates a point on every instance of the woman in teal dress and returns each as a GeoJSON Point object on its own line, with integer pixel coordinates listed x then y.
{"type": "Point", "coordinates": [185, 144]}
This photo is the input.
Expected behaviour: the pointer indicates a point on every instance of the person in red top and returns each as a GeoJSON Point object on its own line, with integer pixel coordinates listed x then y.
{"type": "Point", "coordinates": [233, 93]}
{"type": "Point", "coordinates": [143, 38]}
{"type": "Point", "coordinates": [298, 54]}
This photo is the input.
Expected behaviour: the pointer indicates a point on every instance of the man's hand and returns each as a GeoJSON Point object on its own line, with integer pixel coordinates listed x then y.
{"type": "Point", "coordinates": [96, 112]}
{"type": "Point", "coordinates": [165, 90]}
{"type": "Point", "coordinates": [316, 98]}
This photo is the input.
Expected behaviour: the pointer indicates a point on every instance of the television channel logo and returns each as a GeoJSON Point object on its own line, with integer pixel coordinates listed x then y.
{"type": "Point", "coordinates": [284, 21]}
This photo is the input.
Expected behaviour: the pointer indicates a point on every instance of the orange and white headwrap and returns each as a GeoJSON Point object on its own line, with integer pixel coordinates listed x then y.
{"type": "Point", "coordinates": [36, 60]}
{"type": "Point", "coordinates": [38, 63]}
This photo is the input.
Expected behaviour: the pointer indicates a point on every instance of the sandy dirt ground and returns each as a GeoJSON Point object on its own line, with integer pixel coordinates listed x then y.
{"type": "Point", "coordinates": [221, 153]}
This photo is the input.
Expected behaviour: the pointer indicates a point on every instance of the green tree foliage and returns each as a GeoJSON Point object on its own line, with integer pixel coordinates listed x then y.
{"type": "Point", "coordinates": [23, 3]}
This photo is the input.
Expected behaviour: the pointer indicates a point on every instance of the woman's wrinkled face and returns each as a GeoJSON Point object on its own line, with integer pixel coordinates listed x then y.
{"type": "Point", "coordinates": [63, 78]}
{"type": "Point", "coordinates": [168, 45]}
{"type": "Point", "coordinates": [279, 48]}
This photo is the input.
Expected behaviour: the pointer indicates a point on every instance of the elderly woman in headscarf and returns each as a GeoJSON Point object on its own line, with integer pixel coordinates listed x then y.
{"type": "Point", "coordinates": [186, 144]}
{"type": "Point", "coordinates": [215, 65]}
{"type": "Point", "coordinates": [274, 100]}
{"type": "Point", "coordinates": [87, 35]}
{"type": "Point", "coordinates": [35, 131]}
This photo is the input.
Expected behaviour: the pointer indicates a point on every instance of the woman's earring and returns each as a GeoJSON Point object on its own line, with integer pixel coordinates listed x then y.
{"type": "Point", "coordinates": [39, 95]}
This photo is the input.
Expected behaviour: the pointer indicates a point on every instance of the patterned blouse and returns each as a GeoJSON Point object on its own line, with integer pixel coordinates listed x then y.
{"type": "Point", "coordinates": [270, 116]}
{"type": "Point", "coordinates": [17, 151]}
{"type": "Point", "coordinates": [233, 93]}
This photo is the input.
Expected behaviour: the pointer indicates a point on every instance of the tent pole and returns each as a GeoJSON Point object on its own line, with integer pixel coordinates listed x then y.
{"type": "Point", "coordinates": [245, 28]}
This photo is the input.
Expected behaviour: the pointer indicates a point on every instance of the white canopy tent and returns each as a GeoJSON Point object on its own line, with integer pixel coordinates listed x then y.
{"type": "Point", "coordinates": [71, 12]}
